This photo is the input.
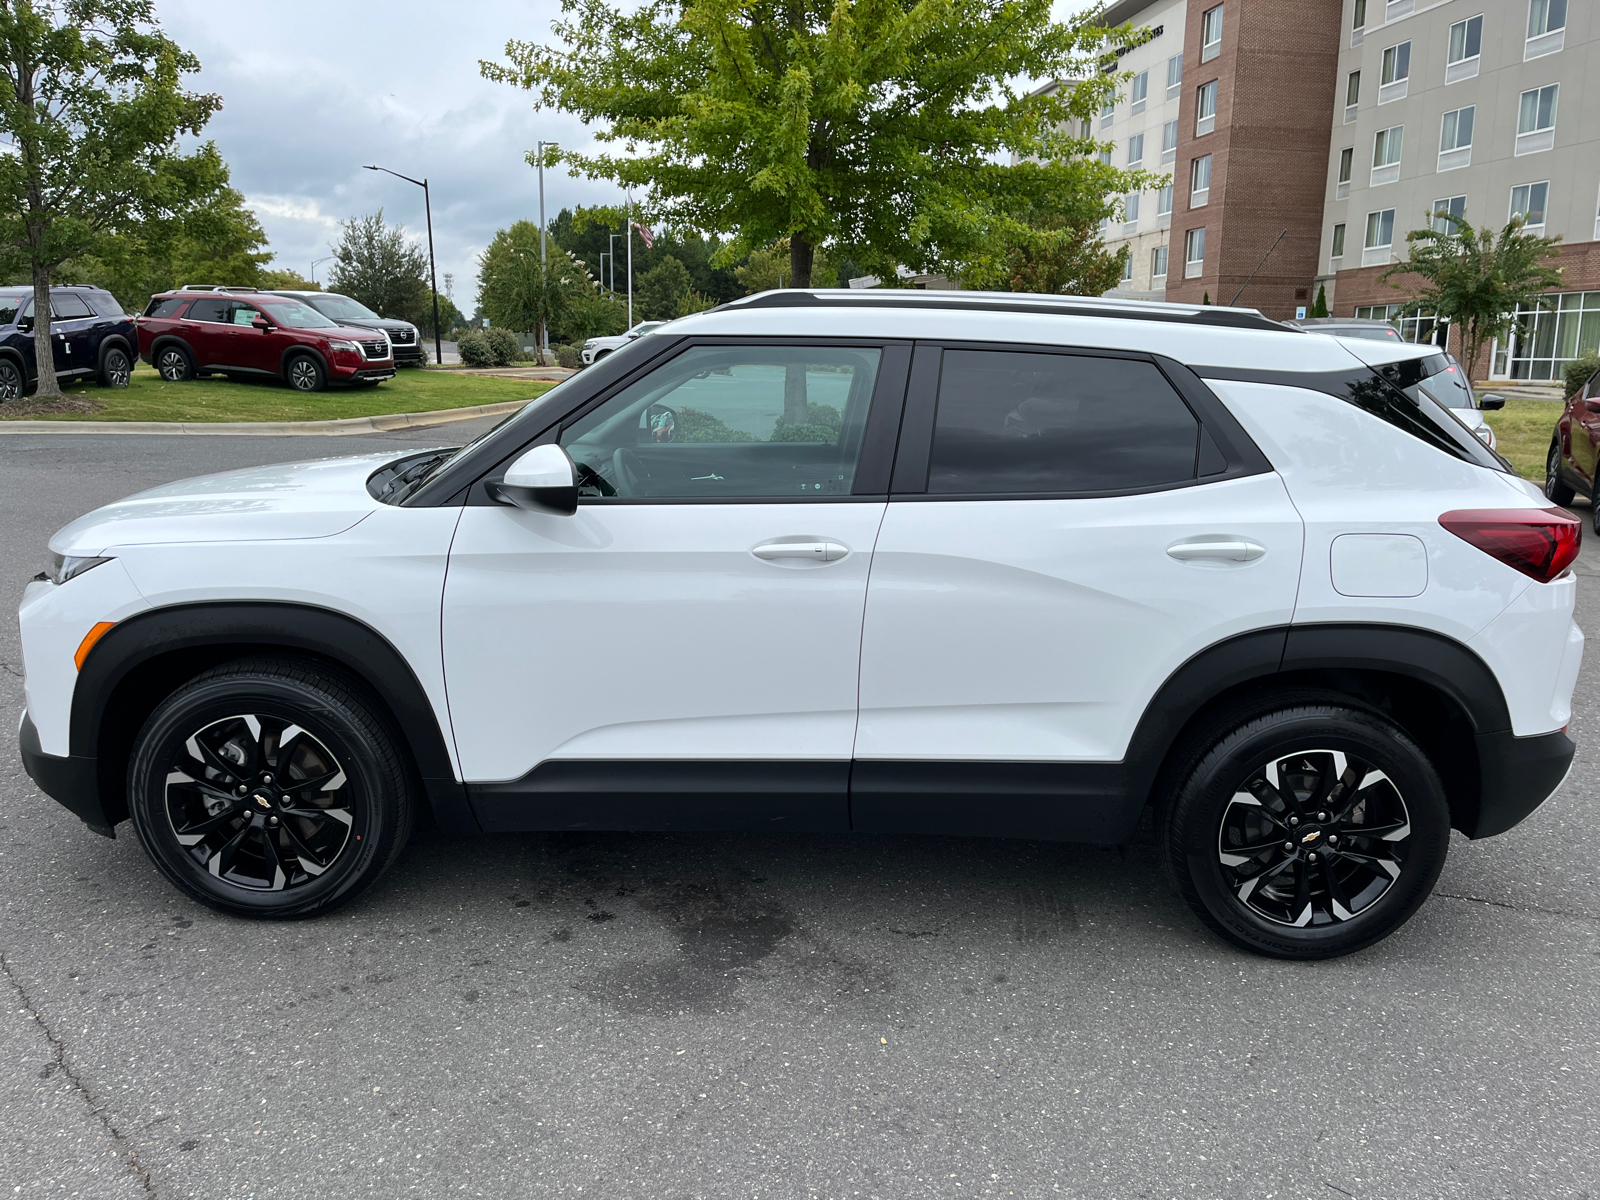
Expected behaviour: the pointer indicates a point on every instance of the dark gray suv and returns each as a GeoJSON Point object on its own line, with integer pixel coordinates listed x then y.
{"type": "Point", "coordinates": [405, 337]}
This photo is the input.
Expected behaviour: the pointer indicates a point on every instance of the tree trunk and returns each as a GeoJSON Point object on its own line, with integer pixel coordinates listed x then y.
{"type": "Point", "coordinates": [801, 255]}
{"type": "Point", "coordinates": [44, 356]}
{"type": "Point", "coordinates": [795, 411]}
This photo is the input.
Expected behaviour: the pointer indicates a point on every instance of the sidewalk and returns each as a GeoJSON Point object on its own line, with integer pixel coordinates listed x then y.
{"type": "Point", "coordinates": [337, 428]}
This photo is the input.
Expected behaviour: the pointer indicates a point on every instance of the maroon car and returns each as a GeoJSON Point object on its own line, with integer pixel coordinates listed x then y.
{"type": "Point", "coordinates": [242, 333]}
{"type": "Point", "coordinates": [1571, 464]}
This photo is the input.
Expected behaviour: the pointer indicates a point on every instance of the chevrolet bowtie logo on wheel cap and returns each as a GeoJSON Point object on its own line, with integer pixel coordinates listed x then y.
{"type": "Point", "coordinates": [1311, 837]}
{"type": "Point", "coordinates": [261, 801]}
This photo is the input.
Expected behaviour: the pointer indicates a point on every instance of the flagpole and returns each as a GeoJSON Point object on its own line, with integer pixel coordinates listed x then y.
{"type": "Point", "coordinates": [629, 233]}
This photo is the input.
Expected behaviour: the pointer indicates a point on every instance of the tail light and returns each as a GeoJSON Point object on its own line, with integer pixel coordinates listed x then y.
{"type": "Point", "coordinates": [1539, 542]}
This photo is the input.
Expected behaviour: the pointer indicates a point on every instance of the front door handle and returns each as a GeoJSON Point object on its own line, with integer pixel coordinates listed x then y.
{"type": "Point", "coordinates": [1217, 550]}
{"type": "Point", "coordinates": [811, 551]}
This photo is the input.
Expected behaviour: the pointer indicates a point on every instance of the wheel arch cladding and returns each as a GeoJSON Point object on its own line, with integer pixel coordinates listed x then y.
{"type": "Point", "coordinates": [1435, 688]}
{"type": "Point", "coordinates": [115, 341]}
{"type": "Point", "coordinates": [144, 658]}
{"type": "Point", "coordinates": [170, 339]}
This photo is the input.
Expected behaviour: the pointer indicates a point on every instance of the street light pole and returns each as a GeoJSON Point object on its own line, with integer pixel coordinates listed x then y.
{"type": "Point", "coordinates": [315, 261]}
{"type": "Point", "coordinates": [603, 257]}
{"type": "Point", "coordinates": [433, 278]}
{"type": "Point", "coordinates": [544, 278]}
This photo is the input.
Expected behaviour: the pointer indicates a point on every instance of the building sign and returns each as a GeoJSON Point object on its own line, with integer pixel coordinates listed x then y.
{"type": "Point", "coordinates": [1108, 64]}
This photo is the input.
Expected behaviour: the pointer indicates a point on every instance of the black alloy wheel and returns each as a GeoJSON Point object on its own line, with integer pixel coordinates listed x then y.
{"type": "Point", "coordinates": [269, 788]}
{"type": "Point", "coordinates": [1309, 831]}
{"type": "Point", "coordinates": [305, 374]}
{"type": "Point", "coordinates": [174, 364]}
{"type": "Point", "coordinates": [1555, 488]}
{"type": "Point", "coordinates": [11, 381]}
{"type": "Point", "coordinates": [116, 368]}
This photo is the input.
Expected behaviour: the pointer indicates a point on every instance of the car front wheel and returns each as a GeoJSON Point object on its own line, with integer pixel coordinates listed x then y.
{"type": "Point", "coordinates": [268, 788]}
{"type": "Point", "coordinates": [11, 382]}
{"type": "Point", "coordinates": [1308, 831]}
{"type": "Point", "coordinates": [305, 374]}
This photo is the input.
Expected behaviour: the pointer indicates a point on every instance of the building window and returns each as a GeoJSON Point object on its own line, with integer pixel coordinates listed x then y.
{"type": "Point", "coordinates": [1199, 181]}
{"type": "Point", "coordinates": [1546, 16]}
{"type": "Point", "coordinates": [1352, 95]}
{"type": "Point", "coordinates": [1108, 110]}
{"type": "Point", "coordinates": [1205, 110]}
{"type": "Point", "coordinates": [1210, 33]}
{"type": "Point", "coordinates": [1169, 142]}
{"type": "Point", "coordinates": [1424, 326]}
{"type": "Point", "coordinates": [1174, 75]}
{"type": "Point", "coordinates": [1136, 149]}
{"type": "Point", "coordinates": [1528, 201]}
{"type": "Point", "coordinates": [1455, 138]}
{"type": "Point", "coordinates": [1130, 210]}
{"type": "Point", "coordinates": [1194, 253]}
{"type": "Point", "coordinates": [1396, 77]}
{"type": "Point", "coordinates": [1449, 206]}
{"type": "Point", "coordinates": [1380, 238]}
{"type": "Point", "coordinates": [1141, 89]}
{"type": "Point", "coordinates": [1358, 26]}
{"type": "Point", "coordinates": [1536, 119]}
{"type": "Point", "coordinates": [1466, 43]}
{"type": "Point", "coordinates": [1158, 263]}
{"type": "Point", "coordinates": [1386, 154]}
{"type": "Point", "coordinates": [1105, 155]}
{"type": "Point", "coordinates": [1127, 268]}
{"type": "Point", "coordinates": [1347, 159]}
{"type": "Point", "coordinates": [1164, 207]}
{"type": "Point", "coordinates": [1548, 335]}
{"type": "Point", "coordinates": [1338, 242]}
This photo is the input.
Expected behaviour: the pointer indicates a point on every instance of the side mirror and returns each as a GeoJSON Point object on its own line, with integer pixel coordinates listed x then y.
{"type": "Point", "coordinates": [1592, 403]}
{"type": "Point", "coordinates": [1491, 401]}
{"type": "Point", "coordinates": [542, 480]}
{"type": "Point", "coordinates": [25, 325]}
{"type": "Point", "coordinates": [262, 324]}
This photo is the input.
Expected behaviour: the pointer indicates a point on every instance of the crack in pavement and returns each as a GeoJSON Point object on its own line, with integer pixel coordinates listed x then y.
{"type": "Point", "coordinates": [1552, 912]}
{"type": "Point", "coordinates": [10, 670]}
{"type": "Point", "coordinates": [58, 1053]}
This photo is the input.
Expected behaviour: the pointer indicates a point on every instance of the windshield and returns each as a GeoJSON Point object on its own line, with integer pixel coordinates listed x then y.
{"type": "Point", "coordinates": [294, 315]}
{"type": "Point", "coordinates": [342, 308]}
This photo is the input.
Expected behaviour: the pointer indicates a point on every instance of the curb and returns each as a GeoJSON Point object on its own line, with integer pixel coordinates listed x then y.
{"type": "Point", "coordinates": [342, 427]}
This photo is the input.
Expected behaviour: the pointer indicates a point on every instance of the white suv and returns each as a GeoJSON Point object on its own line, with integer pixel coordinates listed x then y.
{"type": "Point", "coordinates": [597, 348]}
{"type": "Point", "coordinates": [952, 563]}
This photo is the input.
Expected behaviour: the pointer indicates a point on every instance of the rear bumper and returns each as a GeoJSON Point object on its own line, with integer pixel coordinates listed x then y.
{"type": "Point", "coordinates": [73, 782]}
{"type": "Point", "coordinates": [1517, 775]}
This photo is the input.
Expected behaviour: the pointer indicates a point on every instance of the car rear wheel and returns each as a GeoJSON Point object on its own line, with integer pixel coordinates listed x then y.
{"type": "Point", "coordinates": [11, 381]}
{"type": "Point", "coordinates": [116, 368]}
{"type": "Point", "coordinates": [1308, 831]}
{"type": "Point", "coordinates": [174, 364]}
{"type": "Point", "coordinates": [305, 374]}
{"type": "Point", "coordinates": [268, 788]}
{"type": "Point", "coordinates": [1555, 488]}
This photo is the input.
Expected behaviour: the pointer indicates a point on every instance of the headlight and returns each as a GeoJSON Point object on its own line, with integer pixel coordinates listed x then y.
{"type": "Point", "coordinates": [1486, 435]}
{"type": "Point", "coordinates": [341, 344]}
{"type": "Point", "coordinates": [65, 566]}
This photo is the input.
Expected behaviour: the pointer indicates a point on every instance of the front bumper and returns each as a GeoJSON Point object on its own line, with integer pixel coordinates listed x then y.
{"type": "Point", "coordinates": [1517, 775]}
{"type": "Point", "coordinates": [73, 782]}
{"type": "Point", "coordinates": [367, 374]}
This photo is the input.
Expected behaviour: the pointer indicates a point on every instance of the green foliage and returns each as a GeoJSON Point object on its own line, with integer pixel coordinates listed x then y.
{"type": "Point", "coordinates": [1475, 280]}
{"type": "Point", "coordinates": [474, 348]}
{"type": "Point", "coordinates": [877, 129]}
{"type": "Point", "coordinates": [1049, 253]}
{"type": "Point", "coordinates": [1579, 371]}
{"type": "Point", "coordinates": [1320, 307]}
{"type": "Point", "coordinates": [598, 314]}
{"type": "Point", "coordinates": [822, 424]}
{"type": "Point", "coordinates": [586, 234]}
{"type": "Point", "coordinates": [696, 426]}
{"type": "Point", "coordinates": [503, 345]}
{"type": "Point", "coordinates": [517, 291]}
{"type": "Point", "coordinates": [666, 292]}
{"type": "Point", "coordinates": [570, 357]}
{"type": "Point", "coordinates": [767, 267]}
{"type": "Point", "coordinates": [378, 265]}
{"type": "Point", "coordinates": [92, 106]}
{"type": "Point", "coordinates": [1206, 299]}
{"type": "Point", "coordinates": [283, 279]}
{"type": "Point", "coordinates": [449, 315]}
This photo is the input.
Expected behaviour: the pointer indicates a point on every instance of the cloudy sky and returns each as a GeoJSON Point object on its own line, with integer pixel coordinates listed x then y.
{"type": "Point", "coordinates": [312, 91]}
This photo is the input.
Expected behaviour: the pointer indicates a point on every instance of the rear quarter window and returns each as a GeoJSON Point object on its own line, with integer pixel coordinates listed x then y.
{"type": "Point", "coordinates": [169, 306]}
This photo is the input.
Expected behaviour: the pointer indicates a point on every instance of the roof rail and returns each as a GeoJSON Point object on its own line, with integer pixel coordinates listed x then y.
{"type": "Point", "coordinates": [1017, 302]}
{"type": "Point", "coordinates": [214, 287]}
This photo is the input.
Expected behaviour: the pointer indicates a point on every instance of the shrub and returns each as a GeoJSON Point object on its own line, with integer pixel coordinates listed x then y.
{"type": "Point", "coordinates": [1579, 371]}
{"type": "Point", "coordinates": [475, 350]}
{"type": "Point", "coordinates": [696, 426]}
{"type": "Point", "coordinates": [505, 347]}
{"type": "Point", "coordinates": [570, 357]}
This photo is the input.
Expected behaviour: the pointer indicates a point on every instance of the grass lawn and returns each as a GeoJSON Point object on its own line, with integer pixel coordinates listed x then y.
{"type": "Point", "coordinates": [150, 398]}
{"type": "Point", "coordinates": [1522, 430]}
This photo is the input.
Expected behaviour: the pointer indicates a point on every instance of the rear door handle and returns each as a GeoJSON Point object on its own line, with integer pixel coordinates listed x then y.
{"type": "Point", "coordinates": [812, 551]}
{"type": "Point", "coordinates": [1217, 550]}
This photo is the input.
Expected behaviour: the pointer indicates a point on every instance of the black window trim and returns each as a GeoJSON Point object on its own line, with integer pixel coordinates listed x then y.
{"type": "Point", "coordinates": [872, 469]}
{"type": "Point", "coordinates": [1242, 456]}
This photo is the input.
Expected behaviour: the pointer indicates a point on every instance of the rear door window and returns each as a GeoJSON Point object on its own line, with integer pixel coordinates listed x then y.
{"type": "Point", "coordinates": [210, 310]}
{"type": "Point", "coordinates": [1036, 423]}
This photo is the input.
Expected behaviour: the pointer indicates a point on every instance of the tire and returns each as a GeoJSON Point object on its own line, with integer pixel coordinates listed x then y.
{"type": "Point", "coordinates": [207, 800]}
{"type": "Point", "coordinates": [116, 368]}
{"type": "Point", "coordinates": [12, 384]}
{"type": "Point", "coordinates": [1555, 488]}
{"type": "Point", "coordinates": [305, 374]}
{"type": "Point", "coordinates": [1290, 899]}
{"type": "Point", "coordinates": [173, 363]}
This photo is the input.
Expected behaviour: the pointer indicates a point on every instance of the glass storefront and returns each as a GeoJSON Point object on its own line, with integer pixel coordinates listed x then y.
{"type": "Point", "coordinates": [1548, 336]}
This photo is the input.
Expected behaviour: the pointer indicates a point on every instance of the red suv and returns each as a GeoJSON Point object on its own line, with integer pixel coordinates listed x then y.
{"type": "Point", "coordinates": [240, 333]}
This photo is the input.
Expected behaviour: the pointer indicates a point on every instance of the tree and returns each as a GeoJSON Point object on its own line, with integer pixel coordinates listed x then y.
{"type": "Point", "coordinates": [450, 317]}
{"type": "Point", "coordinates": [379, 266]}
{"type": "Point", "coordinates": [1050, 253]}
{"type": "Point", "coordinates": [1475, 280]}
{"type": "Point", "coordinates": [92, 104]}
{"type": "Point", "coordinates": [768, 266]}
{"type": "Point", "coordinates": [1320, 307]}
{"type": "Point", "coordinates": [285, 280]}
{"type": "Point", "coordinates": [518, 291]}
{"type": "Point", "coordinates": [875, 128]}
{"type": "Point", "coordinates": [665, 292]}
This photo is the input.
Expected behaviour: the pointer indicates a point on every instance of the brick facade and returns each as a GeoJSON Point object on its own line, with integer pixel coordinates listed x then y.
{"type": "Point", "coordinates": [1276, 78]}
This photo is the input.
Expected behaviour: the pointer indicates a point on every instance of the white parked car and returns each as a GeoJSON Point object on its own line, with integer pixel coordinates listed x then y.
{"type": "Point", "coordinates": [952, 563]}
{"type": "Point", "coordinates": [597, 348]}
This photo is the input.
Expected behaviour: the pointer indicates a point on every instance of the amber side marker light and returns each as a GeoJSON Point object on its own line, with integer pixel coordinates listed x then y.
{"type": "Point", "coordinates": [89, 639]}
{"type": "Point", "coordinates": [1539, 542]}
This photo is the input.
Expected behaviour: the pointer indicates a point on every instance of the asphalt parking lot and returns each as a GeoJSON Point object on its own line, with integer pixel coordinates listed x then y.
{"type": "Point", "coordinates": [630, 1016]}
